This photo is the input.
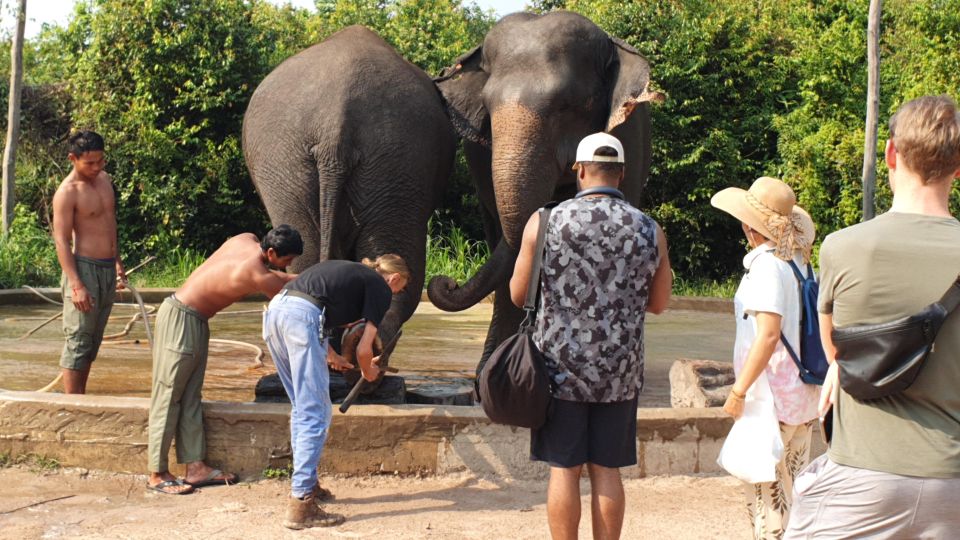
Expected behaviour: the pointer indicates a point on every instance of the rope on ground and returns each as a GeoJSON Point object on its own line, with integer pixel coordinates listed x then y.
{"type": "Point", "coordinates": [257, 361]}
{"type": "Point", "coordinates": [41, 295]}
{"type": "Point", "coordinates": [41, 325]}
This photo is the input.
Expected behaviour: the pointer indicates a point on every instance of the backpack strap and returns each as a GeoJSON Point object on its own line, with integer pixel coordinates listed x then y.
{"type": "Point", "coordinates": [810, 319]}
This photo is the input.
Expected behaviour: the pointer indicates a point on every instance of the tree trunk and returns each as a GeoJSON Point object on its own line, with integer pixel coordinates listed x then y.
{"type": "Point", "coordinates": [13, 119]}
{"type": "Point", "coordinates": [873, 110]}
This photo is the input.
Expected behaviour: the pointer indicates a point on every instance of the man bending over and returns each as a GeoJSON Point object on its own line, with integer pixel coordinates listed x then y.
{"type": "Point", "coordinates": [241, 266]}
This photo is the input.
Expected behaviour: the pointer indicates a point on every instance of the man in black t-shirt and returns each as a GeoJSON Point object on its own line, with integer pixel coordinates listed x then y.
{"type": "Point", "coordinates": [326, 295]}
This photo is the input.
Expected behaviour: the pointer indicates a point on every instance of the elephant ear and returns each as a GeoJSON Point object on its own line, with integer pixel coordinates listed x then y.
{"type": "Point", "coordinates": [630, 77]}
{"type": "Point", "coordinates": [462, 88]}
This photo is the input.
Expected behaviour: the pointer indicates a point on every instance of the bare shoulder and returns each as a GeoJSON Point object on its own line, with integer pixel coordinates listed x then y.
{"type": "Point", "coordinates": [66, 191]}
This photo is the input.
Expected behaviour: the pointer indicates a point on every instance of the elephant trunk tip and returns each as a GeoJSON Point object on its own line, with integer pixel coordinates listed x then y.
{"type": "Point", "coordinates": [442, 292]}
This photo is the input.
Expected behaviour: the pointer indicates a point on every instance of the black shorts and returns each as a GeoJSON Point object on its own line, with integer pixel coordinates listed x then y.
{"type": "Point", "coordinates": [604, 434]}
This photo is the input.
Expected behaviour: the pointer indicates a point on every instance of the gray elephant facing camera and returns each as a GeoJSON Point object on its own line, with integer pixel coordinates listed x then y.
{"type": "Point", "coordinates": [350, 144]}
{"type": "Point", "coordinates": [522, 101]}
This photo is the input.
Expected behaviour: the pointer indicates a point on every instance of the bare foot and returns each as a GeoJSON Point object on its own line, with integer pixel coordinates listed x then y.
{"type": "Point", "coordinates": [167, 483]}
{"type": "Point", "coordinates": [200, 474]}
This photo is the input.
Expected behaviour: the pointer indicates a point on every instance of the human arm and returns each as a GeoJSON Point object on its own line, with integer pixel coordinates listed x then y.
{"type": "Point", "coordinates": [831, 382]}
{"type": "Point", "coordinates": [64, 206]}
{"type": "Point", "coordinates": [768, 335]}
{"type": "Point", "coordinates": [336, 361]}
{"type": "Point", "coordinates": [520, 280]}
{"type": "Point", "coordinates": [662, 282]}
{"type": "Point", "coordinates": [368, 364]}
{"type": "Point", "coordinates": [269, 282]}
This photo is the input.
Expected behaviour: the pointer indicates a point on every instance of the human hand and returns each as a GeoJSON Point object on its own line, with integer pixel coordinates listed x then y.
{"type": "Point", "coordinates": [734, 405]}
{"type": "Point", "coordinates": [370, 374]}
{"type": "Point", "coordinates": [121, 276]}
{"type": "Point", "coordinates": [831, 386]}
{"type": "Point", "coordinates": [337, 362]}
{"type": "Point", "coordinates": [81, 299]}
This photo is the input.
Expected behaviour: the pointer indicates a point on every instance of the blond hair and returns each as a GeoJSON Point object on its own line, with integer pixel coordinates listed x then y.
{"type": "Point", "coordinates": [926, 134]}
{"type": "Point", "coordinates": [389, 263]}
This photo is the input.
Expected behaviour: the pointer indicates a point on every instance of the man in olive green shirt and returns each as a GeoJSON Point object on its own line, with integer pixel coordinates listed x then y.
{"type": "Point", "coordinates": [893, 468]}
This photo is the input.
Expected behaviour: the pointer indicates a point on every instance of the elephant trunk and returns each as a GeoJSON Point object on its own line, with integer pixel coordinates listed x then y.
{"type": "Point", "coordinates": [525, 169]}
{"type": "Point", "coordinates": [444, 292]}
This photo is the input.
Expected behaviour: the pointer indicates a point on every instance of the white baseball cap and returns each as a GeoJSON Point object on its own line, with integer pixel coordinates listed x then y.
{"type": "Point", "coordinates": [586, 150]}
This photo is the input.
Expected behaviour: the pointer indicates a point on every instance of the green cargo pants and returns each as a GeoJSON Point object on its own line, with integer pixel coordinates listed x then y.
{"type": "Point", "coordinates": [179, 360]}
{"type": "Point", "coordinates": [84, 331]}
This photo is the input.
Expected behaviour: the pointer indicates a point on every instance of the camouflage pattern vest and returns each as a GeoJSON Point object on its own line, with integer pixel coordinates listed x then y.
{"type": "Point", "coordinates": [599, 259]}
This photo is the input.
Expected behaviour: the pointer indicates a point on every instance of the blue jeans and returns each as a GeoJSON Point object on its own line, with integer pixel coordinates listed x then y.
{"type": "Point", "coordinates": [292, 328]}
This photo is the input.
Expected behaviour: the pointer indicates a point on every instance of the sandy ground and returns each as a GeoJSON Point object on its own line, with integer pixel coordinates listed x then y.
{"type": "Point", "coordinates": [107, 505]}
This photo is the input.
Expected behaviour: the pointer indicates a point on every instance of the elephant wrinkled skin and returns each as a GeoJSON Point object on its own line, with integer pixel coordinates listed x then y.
{"type": "Point", "coordinates": [521, 102]}
{"type": "Point", "coordinates": [350, 144]}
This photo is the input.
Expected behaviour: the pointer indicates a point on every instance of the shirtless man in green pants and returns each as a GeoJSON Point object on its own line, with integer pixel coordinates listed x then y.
{"type": "Point", "coordinates": [241, 266]}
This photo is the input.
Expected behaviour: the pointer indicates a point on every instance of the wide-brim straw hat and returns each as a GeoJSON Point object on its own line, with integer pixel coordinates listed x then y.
{"type": "Point", "coordinates": [770, 208]}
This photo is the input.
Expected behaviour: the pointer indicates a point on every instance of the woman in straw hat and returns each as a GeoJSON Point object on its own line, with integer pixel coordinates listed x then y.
{"type": "Point", "coordinates": [767, 303]}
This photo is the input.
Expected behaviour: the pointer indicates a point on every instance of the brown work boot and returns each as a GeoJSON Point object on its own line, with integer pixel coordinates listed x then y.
{"type": "Point", "coordinates": [304, 513]}
{"type": "Point", "coordinates": [322, 494]}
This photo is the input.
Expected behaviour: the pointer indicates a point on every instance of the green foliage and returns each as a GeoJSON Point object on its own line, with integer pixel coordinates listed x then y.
{"type": "Point", "coordinates": [703, 287]}
{"type": "Point", "coordinates": [171, 268]}
{"type": "Point", "coordinates": [454, 255]}
{"type": "Point", "coordinates": [429, 33]}
{"type": "Point", "coordinates": [278, 473]}
{"type": "Point", "coordinates": [27, 253]}
{"type": "Point", "coordinates": [36, 462]}
{"type": "Point", "coordinates": [166, 82]}
{"type": "Point", "coordinates": [756, 87]}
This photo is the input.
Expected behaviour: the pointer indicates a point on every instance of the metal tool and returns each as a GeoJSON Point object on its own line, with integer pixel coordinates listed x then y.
{"type": "Point", "coordinates": [385, 355]}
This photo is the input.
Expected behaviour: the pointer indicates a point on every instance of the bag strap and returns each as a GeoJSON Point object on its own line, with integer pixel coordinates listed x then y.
{"type": "Point", "coordinates": [809, 320]}
{"type": "Point", "coordinates": [533, 287]}
{"type": "Point", "coordinates": [951, 298]}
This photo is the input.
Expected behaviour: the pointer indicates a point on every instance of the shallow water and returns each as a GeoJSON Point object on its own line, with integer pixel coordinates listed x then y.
{"type": "Point", "coordinates": [438, 350]}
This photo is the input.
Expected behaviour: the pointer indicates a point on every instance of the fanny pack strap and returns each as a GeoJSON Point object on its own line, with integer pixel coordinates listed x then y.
{"type": "Point", "coordinates": [951, 298]}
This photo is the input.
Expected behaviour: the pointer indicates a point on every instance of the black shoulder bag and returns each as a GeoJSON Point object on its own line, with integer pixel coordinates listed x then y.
{"type": "Point", "coordinates": [877, 360]}
{"type": "Point", "coordinates": [514, 384]}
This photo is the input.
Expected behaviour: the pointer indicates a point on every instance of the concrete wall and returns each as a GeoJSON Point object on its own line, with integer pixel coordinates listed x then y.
{"type": "Point", "coordinates": [110, 433]}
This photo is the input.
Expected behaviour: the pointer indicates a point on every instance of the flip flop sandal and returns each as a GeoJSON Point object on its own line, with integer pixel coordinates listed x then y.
{"type": "Point", "coordinates": [161, 487]}
{"type": "Point", "coordinates": [212, 480]}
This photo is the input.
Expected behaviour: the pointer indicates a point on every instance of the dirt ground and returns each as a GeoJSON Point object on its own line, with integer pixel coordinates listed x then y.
{"type": "Point", "coordinates": [106, 505]}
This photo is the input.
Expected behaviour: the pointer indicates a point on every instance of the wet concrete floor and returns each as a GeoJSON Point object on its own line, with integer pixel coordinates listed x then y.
{"type": "Point", "coordinates": [437, 349]}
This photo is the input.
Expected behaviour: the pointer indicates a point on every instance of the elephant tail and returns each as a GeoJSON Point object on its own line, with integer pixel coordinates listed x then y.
{"type": "Point", "coordinates": [447, 295]}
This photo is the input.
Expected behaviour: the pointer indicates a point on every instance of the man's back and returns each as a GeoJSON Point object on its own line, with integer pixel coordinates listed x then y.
{"type": "Point", "coordinates": [599, 261]}
{"type": "Point", "coordinates": [227, 276]}
{"type": "Point", "coordinates": [884, 269]}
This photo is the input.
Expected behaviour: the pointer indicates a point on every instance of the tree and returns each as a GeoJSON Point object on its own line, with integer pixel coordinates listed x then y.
{"type": "Point", "coordinates": [873, 110]}
{"type": "Point", "coordinates": [13, 119]}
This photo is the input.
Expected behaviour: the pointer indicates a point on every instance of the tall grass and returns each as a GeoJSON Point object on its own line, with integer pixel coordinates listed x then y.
{"type": "Point", "coordinates": [170, 269]}
{"type": "Point", "coordinates": [453, 254]}
{"type": "Point", "coordinates": [704, 287]}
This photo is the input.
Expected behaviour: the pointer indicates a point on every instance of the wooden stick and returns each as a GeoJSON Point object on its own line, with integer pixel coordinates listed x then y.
{"type": "Point", "coordinates": [38, 503]}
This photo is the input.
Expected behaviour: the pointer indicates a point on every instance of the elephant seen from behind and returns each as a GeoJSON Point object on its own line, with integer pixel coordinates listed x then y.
{"type": "Point", "coordinates": [349, 143]}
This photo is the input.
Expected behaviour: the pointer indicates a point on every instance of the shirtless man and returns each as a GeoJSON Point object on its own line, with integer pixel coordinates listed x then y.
{"type": "Point", "coordinates": [241, 266]}
{"type": "Point", "coordinates": [84, 216]}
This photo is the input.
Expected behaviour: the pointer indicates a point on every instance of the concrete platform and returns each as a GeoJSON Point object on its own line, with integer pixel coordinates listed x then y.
{"type": "Point", "coordinates": [110, 433]}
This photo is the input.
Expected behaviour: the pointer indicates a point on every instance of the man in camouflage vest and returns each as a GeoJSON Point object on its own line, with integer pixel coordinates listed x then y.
{"type": "Point", "coordinates": [605, 265]}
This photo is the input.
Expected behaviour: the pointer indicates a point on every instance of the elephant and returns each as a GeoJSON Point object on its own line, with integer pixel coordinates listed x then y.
{"type": "Point", "coordinates": [521, 102]}
{"type": "Point", "coordinates": [350, 144]}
